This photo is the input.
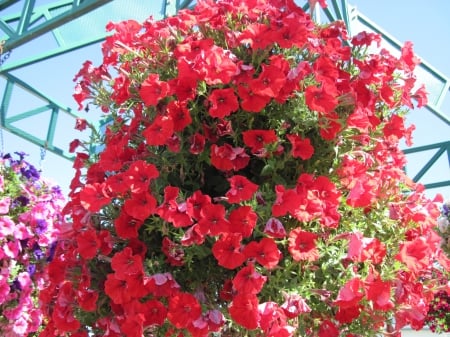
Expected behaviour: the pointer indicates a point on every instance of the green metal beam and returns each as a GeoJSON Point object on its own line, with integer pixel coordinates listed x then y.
{"type": "Point", "coordinates": [185, 4]}
{"type": "Point", "coordinates": [49, 105]}
{"type": "Point", "coordinates": [170, 7]}
{"type": "Point", "coordinates": [6, 3]}
{"type": "Point", "coordinates": [442, 147]}
{"type": "Point", "coordinates": [33, 22]}
{"type": "Point", "coordinates": [339, 10]}
{"type": "Point", "coordinates": [63, 49]}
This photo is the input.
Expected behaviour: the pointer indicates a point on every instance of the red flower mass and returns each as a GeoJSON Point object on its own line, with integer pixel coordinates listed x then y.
{"type": "Point", "coordinates": [250, 177]}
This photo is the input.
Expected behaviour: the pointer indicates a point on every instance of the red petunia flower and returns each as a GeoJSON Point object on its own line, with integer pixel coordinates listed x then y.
{"type": "Point", "coordinates": [301, 147]}
{"type": "Point", "coordinates": [248, 280]}
{"type": "Point", "coordinates": [244, 310]}
{"type": "Point", "coordinates": [64, 319]}
{"type": "Point", "coordinates": [197, 142]}
{"type": "Point", "coordinates": [241, 189]}
{"type": "Point", "coordinates": [408, 57]}
{"type": "Point", "coordinates": [350, 294]}
{"type": "Point", "coordinates": [286, 201]}
{"type": "Point", "coordinates": [73, 145]}
{"type": "Point", "coordinates": [162, 285]}
{"type": "Point", "coordinates": [212, 220]}
{"type": "Point", "coordinates": [121, 93]}
{"type": "Point", "coordinates": [124, 264]}
{"type": "Point", "coordinates": [137, 247]}
{"type": "Point", "coordinates": [117, 289]}
{"type": "Point", "coordinates": [257, 140]}
{"type": "Point", "coordinates": [152, 90]}
{"type": "Point", "coordinates": [132, 326]}
{"type": "Point", "coordinates": [250, 101]}
{"type": "Point", "coordinates": [80, 124]}
{"type": "Point", "coordinates": [126, 226]}
{"type": "Point", "coordinates": [171, 211]}
{"type": "Point", "coordinates": [395, 128]}
{"type": "Point", "coordinates": [155, 312]}
{"type": "Point", "coordinates": [322, 99]}
{"type": "Point", "coordinates": [227, 251]}
{"type": "Point", "coordinates": [94, 196]}
{"type": "Point", "coordinates": [160, 131]}
{"type": "Point", "coordinates": [348, 315]}
{"type": "Point", "coordinates": [269, 82]}
{"type": "Point", "coordinates": [361, 249]}
{"type": "Point", "coordinates": [302, 245]}
{"type": "Point", "coordinates": [117, 183]}
{"type": "Point", "coordinates": [223, 102]}
{"type": "Point", "coordinates": [228, 158]}
{"type": "Point", "coordinates": [242, 220]}
{"type": "Point", "coordinates": [139, 175]}
{"type": "Point", "coordinates": [87, 299]}
{"type": "Point", "coordinates": [179, 114]}
{"type": "Point", "coordinates": [294, 305]}
{"type": "Point", "coordinates": [275, 228]}
{"type": "Point", "coordinates": [114, 155]}
{"type": "Point", "coordinates": [183, 309]}
{"type": "Point", "coordinates": [88, 244]}
{"type": "Point", "coordinates": [379, 292]}
{"type": "Point", "coordinates": [272, 320]}
{"type": "Point", "coordinates": [219, 65]}
{"type": "Point", "coordinates": [195, 204]}
{"type": "Point", "coordinates": [421, 96]}
{"type": "Point", "coordinates": [136, 285]}
{"type": "Point", "coordinates": [192, 236]}
{"type": "Point", "coordinates": [414, 254]}
{"type": "Point", "coordinates": [140, 206]}
{"type": "Point", "coordinates": [256, 35]}
{"type": "Point", "coordinates": [290, 34]}
{"type": "Point", "coordinates": [81, 93]}
{"type": "Point", "coordinates": [184, 87]}
{"type": "Point", "coordinates": [328, 329]}
{"type": "Point", "coordinates": [265, 252]}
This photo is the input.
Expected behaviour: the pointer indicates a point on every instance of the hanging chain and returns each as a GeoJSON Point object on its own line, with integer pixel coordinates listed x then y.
{"type": "Point", "coordinates": [3, 56]}
{"type": "Point", "coordinates": [42, 157]}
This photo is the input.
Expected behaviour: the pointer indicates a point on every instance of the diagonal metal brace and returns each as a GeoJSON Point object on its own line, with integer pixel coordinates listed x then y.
{"type": "Point", "coordinates": [27, 22]}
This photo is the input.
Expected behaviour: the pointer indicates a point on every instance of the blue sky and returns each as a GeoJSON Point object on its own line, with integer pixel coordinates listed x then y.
{"type": "Point", "coordinates": [425, 24]}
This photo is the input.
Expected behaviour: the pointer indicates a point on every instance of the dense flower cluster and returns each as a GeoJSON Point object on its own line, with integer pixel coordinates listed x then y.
{"type": "Point", "coordinates": [30, 218]}
{"type": "Point", "coordinates": [444, 227]}
{"type": "Point", "coordinates": [438, 317]}
{"type": "Point", "coordinates": [249, 183]}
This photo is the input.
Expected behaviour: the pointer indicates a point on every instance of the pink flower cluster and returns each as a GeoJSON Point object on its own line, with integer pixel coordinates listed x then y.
{"type": "Point", "coordinates": [30, 218]}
